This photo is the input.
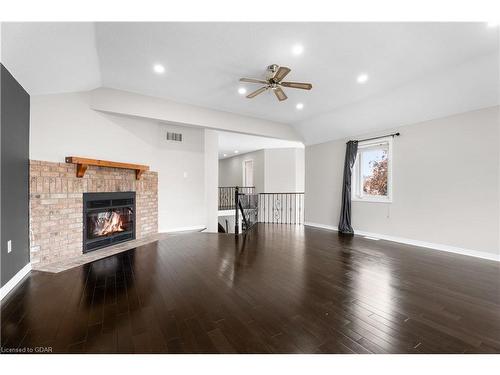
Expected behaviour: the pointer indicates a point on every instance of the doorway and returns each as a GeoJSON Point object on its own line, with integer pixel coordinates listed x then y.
{"type": "Point", "coordinates": [248, 173]}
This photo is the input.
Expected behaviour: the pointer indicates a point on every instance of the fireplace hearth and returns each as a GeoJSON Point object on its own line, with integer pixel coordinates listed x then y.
{"type": "Point", "coordinates": [108, 218]}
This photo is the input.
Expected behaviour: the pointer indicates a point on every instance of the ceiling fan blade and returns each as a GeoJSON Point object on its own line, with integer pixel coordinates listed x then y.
{"type": "Point", "coordinates": [297, 85]}
{"type": "Point", "coordinates": [280, 94]}
{"type": "Point", "coordinates": [281, 73]}
{"type": "Point", "coordinates": [253, 80]}
{"type": "Point", "coordinates": [256, 92]}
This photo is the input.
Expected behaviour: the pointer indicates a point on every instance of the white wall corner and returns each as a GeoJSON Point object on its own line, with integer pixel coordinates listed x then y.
{"type": "Point", "coordinates": [211, 179]}
{"type": "Point", "coordinates": [16, 279]}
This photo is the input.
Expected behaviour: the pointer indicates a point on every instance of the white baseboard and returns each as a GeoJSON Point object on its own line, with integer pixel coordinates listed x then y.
{"type": "Point", "coordinates": [183, 229]}
{"type": "Point", "coordinates": [322, 226]}
{"type": "Point", "coordinates": [12, 283]}
{"type": "Point", "coordinates": [407, 241]}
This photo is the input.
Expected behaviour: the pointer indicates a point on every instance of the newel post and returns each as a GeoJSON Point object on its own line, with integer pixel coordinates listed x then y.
{"type": "Point", "coordinates": [236, 214]}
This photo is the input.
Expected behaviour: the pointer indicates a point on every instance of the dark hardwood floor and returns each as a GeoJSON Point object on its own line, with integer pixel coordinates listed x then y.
{"type": "Point", "coordinates": [282, 289]}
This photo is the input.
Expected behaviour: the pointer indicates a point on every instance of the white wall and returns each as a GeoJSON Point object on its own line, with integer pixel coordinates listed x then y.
{"type": "Point", "coordinates": [211, 150]}
{"type": "Point", "coordinates": [231, 170]}
{"type": "Point", "coordinates": [300, 169]}
{"type": "Point", "coordinates": [445, 184]}
{"type": "Point", "coordinates": [64, 124]}
{"type": "Point", "coordinates": [275, 170]}
{"type": "Point", "coordinates": [284, 172]}
{"type": "Point", "coordinates": [128, 103]}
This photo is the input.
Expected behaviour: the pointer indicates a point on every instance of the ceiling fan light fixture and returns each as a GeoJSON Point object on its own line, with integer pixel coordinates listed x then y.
{"type": "Point", "coordinates": [242, 91]}
{"type": "Point", "coordinates": [300, 106]}
{"type": "Point", "coordinates": [274, 81]}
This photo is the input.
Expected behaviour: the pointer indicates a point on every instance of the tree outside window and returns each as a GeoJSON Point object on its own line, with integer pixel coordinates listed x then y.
{"type": "Point", "coordinates": [375, 183]}
{"type": "Point", "coordinates": [372, 172]}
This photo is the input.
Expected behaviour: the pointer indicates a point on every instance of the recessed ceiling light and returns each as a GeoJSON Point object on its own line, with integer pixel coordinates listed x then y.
{"type": "Point", "coordinates": [225, 155]}
{"type": "Point", "coordinates": [297, 49]}
{"type": "Point", "coordinates": [242, 91]}
{"type": "Point", "coordinates": [362, 78]}
{"type": "Point", "coordinates": [158, 68]}
{"type": "Point", "coordinates": [236, 151]}
{"type": "Point", "coordinates": [299, 106]}
{"type": "Point", "coordinates": [493, 24]}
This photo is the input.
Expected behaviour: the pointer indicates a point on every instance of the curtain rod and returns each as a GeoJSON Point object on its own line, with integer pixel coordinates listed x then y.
{"type": "Point", "coordinates": [382, 136]}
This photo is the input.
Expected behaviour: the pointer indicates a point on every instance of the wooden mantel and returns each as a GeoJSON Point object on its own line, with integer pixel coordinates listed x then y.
{"type": "Point", "coordinates": [83, 163]}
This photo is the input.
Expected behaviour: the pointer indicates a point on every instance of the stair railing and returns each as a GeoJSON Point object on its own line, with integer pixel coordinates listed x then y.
{"type": "Point", "coordinates": [227, 195]}
{"type": "Point", "coordinates": [247, 206]}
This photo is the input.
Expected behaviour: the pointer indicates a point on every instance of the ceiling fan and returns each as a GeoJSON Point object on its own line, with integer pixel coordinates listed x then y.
{"type": "Point", "coordinates": [274, 81]}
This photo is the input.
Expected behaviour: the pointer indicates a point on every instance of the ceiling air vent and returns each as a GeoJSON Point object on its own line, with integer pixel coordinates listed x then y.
{"type": "Point", "coordinates": [174, 137]}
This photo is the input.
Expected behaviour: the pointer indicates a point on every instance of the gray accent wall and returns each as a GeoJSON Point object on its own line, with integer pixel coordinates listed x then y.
{"type": "Point", "coordinates": [15, 123]}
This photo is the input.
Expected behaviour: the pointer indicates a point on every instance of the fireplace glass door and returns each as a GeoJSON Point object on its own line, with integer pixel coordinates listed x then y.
{"type": "Point", "coordinates": [109, 222]}
{"type": "Point", "coordinates": [108, 218]}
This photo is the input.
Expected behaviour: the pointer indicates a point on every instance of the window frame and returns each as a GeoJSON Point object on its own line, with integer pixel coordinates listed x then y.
{"type": "Point", "coordinates": [356, 188]}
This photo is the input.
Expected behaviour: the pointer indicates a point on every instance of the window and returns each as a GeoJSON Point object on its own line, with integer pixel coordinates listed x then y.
{"type": "Point", "coordinates": [372, 174]}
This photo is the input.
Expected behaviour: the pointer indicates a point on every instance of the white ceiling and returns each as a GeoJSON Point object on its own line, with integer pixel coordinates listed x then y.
{"type": "Point", "coordinates": [417, 71]}
{"type": "Point", "coordinates": [230, 142]}
{"type": "Point", "coordinates": [49, 58]}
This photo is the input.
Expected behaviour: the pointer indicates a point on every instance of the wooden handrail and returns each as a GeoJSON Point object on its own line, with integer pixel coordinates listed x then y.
{"type": "Point", "coordinates": [83, 163]}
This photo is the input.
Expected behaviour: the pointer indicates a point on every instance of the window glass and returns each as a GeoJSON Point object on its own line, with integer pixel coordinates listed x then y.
{"type": "Point", "coordinates": [372, 172]}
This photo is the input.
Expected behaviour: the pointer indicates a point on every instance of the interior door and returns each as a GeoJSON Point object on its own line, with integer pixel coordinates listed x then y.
{"type": "Point", "coordinates": [248, 173]}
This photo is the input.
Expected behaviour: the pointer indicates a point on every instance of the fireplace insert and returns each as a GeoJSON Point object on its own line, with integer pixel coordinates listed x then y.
{"type": "Point", "coordinates": [108, 218]}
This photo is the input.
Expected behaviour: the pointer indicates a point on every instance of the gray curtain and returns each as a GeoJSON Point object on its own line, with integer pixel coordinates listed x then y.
{"type": "Point", "coordinates": [345, 212]}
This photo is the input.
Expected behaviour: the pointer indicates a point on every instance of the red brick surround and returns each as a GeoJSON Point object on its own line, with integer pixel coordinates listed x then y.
{"type": "Point", "coordinates": [56, 203]}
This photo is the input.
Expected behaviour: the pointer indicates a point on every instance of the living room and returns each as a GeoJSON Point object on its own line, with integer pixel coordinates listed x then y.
{"type": "Point", "coordinates": [251, 188]}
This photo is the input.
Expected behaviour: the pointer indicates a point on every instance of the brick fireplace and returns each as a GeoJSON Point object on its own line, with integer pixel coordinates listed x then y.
{"type": "Point", "coordinates": [56, 206]}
